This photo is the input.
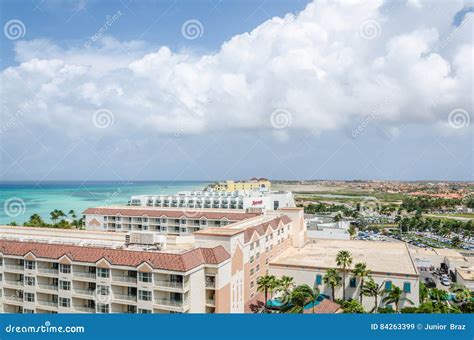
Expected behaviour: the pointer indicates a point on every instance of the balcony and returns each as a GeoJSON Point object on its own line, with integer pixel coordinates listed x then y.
{"type": "Point", "coordinates": [47, 303]}
{"type": "Point", "coordinates": [211, 302]}
{"type": "Point", "coordinates": [170, 303]}
{"type": "Point", "coordinates": [87, 275]}
{"type": "Point", "coordinates": [51, 271]}
{"type": "Point", "coordinates": [48, 287]}
{"type": "Point", "coordinates": [211, 284]}
{"type": "Point", "coordinates": [13, 283]}
{"type": "Point", "coordinates": [172, 284]}
{"type": "Point", "coordinates": [13, 267]}
{"type": "Point", "coordinates": [14, 299]}
{"type": "Point", "coordinates": [87, 292]}
{"type": "Point", "coordinates": [126, 279]}
{"type": "Point", "coordinates": [125, 297]}
{"type": "Point", "coordinates": [83, 309]}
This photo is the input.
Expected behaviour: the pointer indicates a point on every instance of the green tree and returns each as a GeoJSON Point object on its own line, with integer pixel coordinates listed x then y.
{"type": "Point", "coordinates": [456, 242]}
{"type": "Point", "coordinates": [332, 279]}
{"type": "Point", "coordinates": [266, 284]}
{"type": "Point", "coordinates": [284, 285]}
{"type": "Point", "coordinates": [344, 261]}
{"type": "Point", "coordinates": [396, 296]}
{"type": "Point", "coordinates": [360, 272]}
{"type": "Point", "coordinates": [352, 307]}
{"type": "Point", "coordinates": [300, 296]}
{"type": "Point", "coordinates": [423, 292]}
{"type": "Point", "coordinates": [373, 289]}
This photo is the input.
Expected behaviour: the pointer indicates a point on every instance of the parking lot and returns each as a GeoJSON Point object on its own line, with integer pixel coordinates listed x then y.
{"type": "Point", "coordinates": [436, 279]}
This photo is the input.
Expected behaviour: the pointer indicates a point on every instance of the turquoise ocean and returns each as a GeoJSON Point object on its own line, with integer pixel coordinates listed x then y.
{"type": "Point", "coordinates": [20, 200]}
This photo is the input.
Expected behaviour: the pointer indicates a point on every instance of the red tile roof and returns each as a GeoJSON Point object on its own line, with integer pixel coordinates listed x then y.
{"type": "Point", "coordinates": [159, 260]}
{"type": "Point", "coordinates": [189, 213]}
{"type": "Point", "coordinates": [325, 307]}
{"type": "Point", "coordinates": [261, 229]}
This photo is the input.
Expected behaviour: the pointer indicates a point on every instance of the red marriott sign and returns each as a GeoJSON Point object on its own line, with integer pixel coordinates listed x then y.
{"type": "Point", "coordinates": [257, 202]}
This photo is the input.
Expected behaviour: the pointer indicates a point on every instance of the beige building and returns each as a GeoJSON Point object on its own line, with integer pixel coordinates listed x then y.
{"type": "Point", "coordinates": [258, 184]}
{"type": "Point", "coordinates": [390, 263]}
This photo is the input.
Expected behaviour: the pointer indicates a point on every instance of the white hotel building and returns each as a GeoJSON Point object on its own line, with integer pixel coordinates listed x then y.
{"type": "Point", "coordinates": [218, 200]}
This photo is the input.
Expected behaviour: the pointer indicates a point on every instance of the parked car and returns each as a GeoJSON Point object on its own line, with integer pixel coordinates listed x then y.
{"type": "Point", "coordinates": [445, 281]}
{"type": "Point", "coordinates": [429, 283]}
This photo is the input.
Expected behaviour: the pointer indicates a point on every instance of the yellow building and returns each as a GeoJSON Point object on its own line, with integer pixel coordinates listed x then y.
{"type": "Point", "coordinates": [253, 184]}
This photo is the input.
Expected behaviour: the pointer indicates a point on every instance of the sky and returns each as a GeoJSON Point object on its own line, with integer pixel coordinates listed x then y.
{"type": "Point", "coordinates": [208, 90]}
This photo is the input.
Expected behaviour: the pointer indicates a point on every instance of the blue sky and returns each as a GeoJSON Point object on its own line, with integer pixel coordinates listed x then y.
{"type": "Point", "coordinates": [278, 89]}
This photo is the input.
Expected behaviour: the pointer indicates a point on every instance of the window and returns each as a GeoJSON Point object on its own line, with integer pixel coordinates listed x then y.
{"type": "Point", "coordinates": [352, 282]}
{"type": "Point", "coordinates": [388, 285]}
{"type": "Point", "coordinates": [30, 265]}
{"type": "Point", "coordinates": [29, 280]}
{"type": "Point", "coordinates": [103, 272]}
{"type": "Point", "coordinates": [102, 290]}
{"type": "Point", "coordinates": [251, 246]}
{"type": "Point", "coordinates": [102, 308]}
{"type": "Point", "coordinates": [64, 302]}
{"type": "Point", "coordinates": [257, 268]}
{"type": "Point", "coordinates": [1, 277]}
{"type": "Point", "coordinates": [257, 255]}
{"type": "Point", "coordinates": [30, 297]}
{"type": "Point", "coordinates": [407, 287]}
{"type": "Point", "coordinates": [64, 285]}
{"type": "Point", "coordinates": [252, 284]}
{"type": "Point", "coordinates": [144, 311]}
{"type": "Point", "coordinates": [319, 279]}
{"type": "Point", "coordinates": [65, 268]}
{"type": "Point", "coordinates": [28, 311]}
{"type": "Point", "coordinates": [251, 271]}
{"type": "Point", "coordinates": [144, 295]}
{"type": "Point", "coordinates": [144, 277]}
{"type": "Point", "coordinates": [251, 259]}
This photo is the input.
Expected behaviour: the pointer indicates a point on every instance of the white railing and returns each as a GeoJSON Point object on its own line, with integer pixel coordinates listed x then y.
{"type": "Point", "coordinates": [14, 283]}
{"type": "Point", "coordinates": [84, 274]}
{"type": "Point", "coordinates": [211, 302]}
{"type": "Point", "coordinates": [88, 292]}
{"type": "Point", "coordinates": [125, 297]}
{"type": "Point", "coordinates": [84, 309]}
{"type": "Point", "coordinates": [47, 270]}
{"type": "Point", "coordinates": [47, 303]}
{"type": "Point", "coordinates": [14, 267]}
{"type": "Point", "coordinates": [119, 278]}
{"type": "Point", "coordinates": [210, 284]}
{"type": "Point", "coordinates": [171, 303]}
{"type": "Point", "coordinates": [47, 287]}
{"type": "Point", "coordinates": [171, 284]}
{"type": "Point", "coordinates": [14, 298]}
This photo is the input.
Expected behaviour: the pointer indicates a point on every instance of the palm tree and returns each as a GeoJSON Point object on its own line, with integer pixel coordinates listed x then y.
{"type": "Point", "coordinates": [300, 296]}
{"type": "Point", "coordinates": [360, 272]}
{"type": "Point", "coordinates": [438, 295]}
{"type": "Point", "coordinates": [332, 279]}
{"type": "Point", "coordinates": [371, 288]}
{"type": "Point", "coordinates": [284, 285]}
{"type": "Point", "coordinates": [72, 213]}
{"type": "Point", "coordinates": [344, 261]}
{"type": "Point", "coordinates": [265, 284]}
{"type": "Point", "coordinates": [395, 296]}
{"type": "Point", "coordinates": [423, 292]}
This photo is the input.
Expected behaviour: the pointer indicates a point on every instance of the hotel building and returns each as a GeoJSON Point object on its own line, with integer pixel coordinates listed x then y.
{"type": "Point", "coordinates": [217, 200]}
{"type": "Point", "coordinates": [261, 184]}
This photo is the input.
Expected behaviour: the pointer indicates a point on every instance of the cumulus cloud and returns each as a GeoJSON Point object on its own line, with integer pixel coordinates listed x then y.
{"type": "Point", "coordinates": [324, 66]}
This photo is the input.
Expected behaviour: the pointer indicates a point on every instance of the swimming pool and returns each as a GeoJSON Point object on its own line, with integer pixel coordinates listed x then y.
{"type": "Point", "coordinates": [276, 303]}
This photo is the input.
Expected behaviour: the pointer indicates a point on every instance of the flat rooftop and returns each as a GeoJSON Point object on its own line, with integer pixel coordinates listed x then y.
{"type": "Point", "coordinates": [381, 257]}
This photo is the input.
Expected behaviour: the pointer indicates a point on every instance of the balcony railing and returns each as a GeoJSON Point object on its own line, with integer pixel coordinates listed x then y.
{"type": "Point", "coordinates": [47, 270]}
{"type": "Point", "coordinates": [14, 298]}
{"type": "Point", "coordinates": [211, 302]}
{"type": "Point", "coordinates": [210, 284]}
{"type": "Point", "coordinates": [14, 283]}
{"type": "Point", "coordinates": [171, 284]}
{"type": "Point", "coordinates": [84, 274]}
{"type": "Point", "coordinates": [47, 303]}
{"type": "Point", "coordinates": [14, 267]}
{"type": "Point", "coordinates": [83, 309]}
{"type": "Point", "coordinates": [118, 278]}
{"type": "Point", "coordinates": [47, 287]}
{"type": "Point", "coordinates": [171, 303]}
{"type": "Point", "coordinates": [88, 292]}
{"type": "Point", "coordinates": [125, 297]}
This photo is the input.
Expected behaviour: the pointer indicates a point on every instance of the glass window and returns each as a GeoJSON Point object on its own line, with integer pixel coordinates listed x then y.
{"type": "Point", "coordinates": [29, 280]}
{"type": "Point", "coordinates": [30, 265]}
{"type": "Point", "coordinates": [388, 285]}
{"type": "Point", "coordinates": [144, 277]}
{"type": "Point", "coordinates": [144, 311]}
{"type": "Point", "coordinates": [352, 282]}
{"type": "Point", "coordinates": [407, 287]}
{"type": "Point", "coordinates": [319, 279]}
{"type": "Point", "coordinates": [103, 272]}
{"type": "Point", "coordinates": [28, 311]}
{"type": "Point", "coordinates": [144, 295]}
{"type": "Point", "coordinates": [102, 290]}
{"type": "Point", "coordinates": [102, 308]}
{"type": "Point", "coordinates": [64, 302]}
{"type": "Point", "coordinates": [64, 285]}
{"type": "Point", "coordinates": [65, 268]}
{"type": "Point", "coordinates": [30, 297]}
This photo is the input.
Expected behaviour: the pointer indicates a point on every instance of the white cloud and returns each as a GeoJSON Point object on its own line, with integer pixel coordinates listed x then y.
{"type": "Point", "coordinates": [316, 65]}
